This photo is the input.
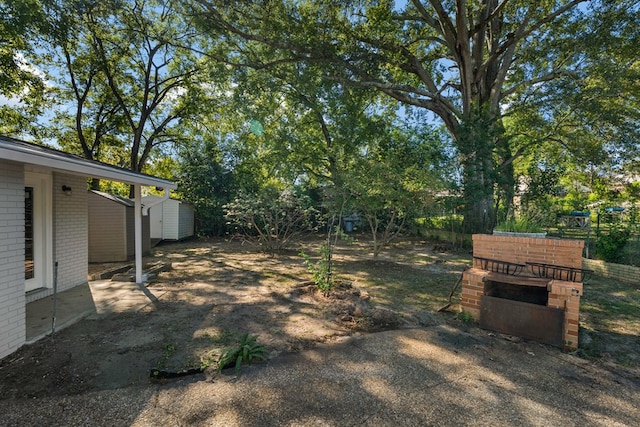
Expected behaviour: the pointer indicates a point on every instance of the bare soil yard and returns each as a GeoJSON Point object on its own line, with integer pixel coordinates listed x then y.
{"type": "Point", "coordinates": [218, 290]}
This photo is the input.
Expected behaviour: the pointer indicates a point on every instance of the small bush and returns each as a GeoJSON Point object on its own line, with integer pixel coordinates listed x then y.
{"type": "Point", "coordinates": [610, 244]}
{"type": "Point", "coordinates": [445, 222]}
{"type": "Point", "coordinates": [519, 226]}
{"type": "Point", "coordinates": [320, 269]}
{"type": "Point", "coordinates": [465, 317]}
{"type": "Point", "coordinates": [245, 352]}
{"type": "Point", "coordinates": [271, 219]}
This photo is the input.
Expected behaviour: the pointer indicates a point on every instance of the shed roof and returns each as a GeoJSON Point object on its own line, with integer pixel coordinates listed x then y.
{"type": "Point", "coordinates": [153, 197]}
{"type": "Point", "coordinates": [115, 198]}
{"type": "Point", "coordinates": [25, 152]}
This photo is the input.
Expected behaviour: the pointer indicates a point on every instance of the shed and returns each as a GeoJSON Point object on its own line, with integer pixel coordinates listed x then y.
{"type": "Point", "coordinates": [170, 220]}
{"type": "Point", "coordinates": [112, 228]}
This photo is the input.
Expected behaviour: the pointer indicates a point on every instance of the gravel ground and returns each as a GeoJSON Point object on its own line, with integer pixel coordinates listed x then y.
{"type": "Point", "coordinates": [441, 375]}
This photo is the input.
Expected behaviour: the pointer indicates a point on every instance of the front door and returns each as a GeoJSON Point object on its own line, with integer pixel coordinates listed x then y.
{"type": "Point", "coordinates": [37, 231]}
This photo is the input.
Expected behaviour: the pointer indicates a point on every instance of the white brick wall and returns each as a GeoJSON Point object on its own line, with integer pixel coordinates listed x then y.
{"type": "Point", "coordinates": [70, 240]}
{"type": "Point", "coordinates": [12, 290]}
{"type": "Point", "coordinates": [70, 231]}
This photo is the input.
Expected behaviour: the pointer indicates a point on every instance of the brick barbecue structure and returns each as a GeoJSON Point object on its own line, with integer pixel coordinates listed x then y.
{"type": "Point", "coordinates": [528, 287]}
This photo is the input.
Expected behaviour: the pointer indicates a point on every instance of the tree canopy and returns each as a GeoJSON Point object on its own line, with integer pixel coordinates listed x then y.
{"type": "Point", "coordinates": [122, 75]}
{"type": "Point", "coordinates": [318, 93]}
{"type": "Point", "coordinates": [471, 64]}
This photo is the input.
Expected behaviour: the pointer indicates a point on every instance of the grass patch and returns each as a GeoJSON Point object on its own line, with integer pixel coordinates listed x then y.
{"type": "Point", "coordinates": [604, 298]}
{"type": "Point", "coordinates": [220, 337]}
{"type": "Point", "coordinates": [610, 321]}
{"type": "Point", "coordinates": [415, 283]}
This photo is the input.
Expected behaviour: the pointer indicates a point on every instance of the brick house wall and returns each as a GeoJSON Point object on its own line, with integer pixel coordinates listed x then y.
{"type": "Point", "coordinates": [60, 223]}
{"type": "Point", "coordinates": [69, 247]}
{"type": "Point", "coordinates": [12, 287]}
{"type": "Point", "coordinates": [70, 239]}
{"type": "Point", "coordinates": [70, 230]}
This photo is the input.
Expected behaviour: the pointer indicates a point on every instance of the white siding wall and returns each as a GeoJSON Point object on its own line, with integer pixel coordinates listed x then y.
{"type": "Point", "coordinates": [12, 287]}
{"type": "Point", "coordinates": [155, 221]}
{"type": "Point", "coordinates": [185, 221]}
{"type": "Point", "coordinates": [70, 231]}
{"type": "Point", "coordinates": [170, 220]}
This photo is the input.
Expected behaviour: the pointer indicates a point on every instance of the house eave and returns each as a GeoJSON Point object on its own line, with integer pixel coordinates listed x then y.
{"type": "Point", "coordinates": [19, 151]}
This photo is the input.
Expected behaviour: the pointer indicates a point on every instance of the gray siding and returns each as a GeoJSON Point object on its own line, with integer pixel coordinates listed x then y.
{"type": "Point", "coordinates": [112, 230]}
{"type": "Point", "coordinates": [107, 230]}
{"type": "Point", "coordinates": [185, 221]}
{"type": "Point", "coordinates": [12, 290]}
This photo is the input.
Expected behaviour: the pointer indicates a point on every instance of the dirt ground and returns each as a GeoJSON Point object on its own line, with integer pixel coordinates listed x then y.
{"type": "Point", "coordinates": [218, 290]}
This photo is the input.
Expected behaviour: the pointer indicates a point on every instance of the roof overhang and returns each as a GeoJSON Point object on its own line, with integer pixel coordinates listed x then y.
{"type": "Point", "coordinates": [24, 152]}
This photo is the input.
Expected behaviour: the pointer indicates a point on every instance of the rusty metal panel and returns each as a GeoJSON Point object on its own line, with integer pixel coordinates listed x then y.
{"type": "Point", "coordinates": [532, 321]}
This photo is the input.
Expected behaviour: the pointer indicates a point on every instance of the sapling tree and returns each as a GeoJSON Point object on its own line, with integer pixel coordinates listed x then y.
{"type": "Point", "coordinates": [393, 182]}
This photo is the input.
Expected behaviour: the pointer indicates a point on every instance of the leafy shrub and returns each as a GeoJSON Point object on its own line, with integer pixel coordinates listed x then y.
{"type": "Point", "coordinates": [443, 222]}
{"type": "Point", "coordinates": [519, 226]}
{"type": "Point", "coordinates": [542, 214]}
{"type": "Point", "coordinates": [207, 184]}
{"type": "Point", "coordinates": [610, 244]}
{"type": "Point", "coordinates": [271, 219]}
{"type": "Point", "coordinates": [465, 317]}
{"type": "Point", "coordinates": [245, 352]}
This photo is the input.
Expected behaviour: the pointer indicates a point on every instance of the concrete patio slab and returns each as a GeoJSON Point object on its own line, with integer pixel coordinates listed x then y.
{"type": "Point", "coordinates": [94, 300]}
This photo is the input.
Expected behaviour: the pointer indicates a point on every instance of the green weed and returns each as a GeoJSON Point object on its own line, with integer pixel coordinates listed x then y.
{"type": "Point", "coordinates": [321, 269]}
{"type": "Point", "coordinates": [246, 351]}
{"type": "Point", "coordinates": [169, 351]}
{"type": "Point", "coordinates": [465, 317]}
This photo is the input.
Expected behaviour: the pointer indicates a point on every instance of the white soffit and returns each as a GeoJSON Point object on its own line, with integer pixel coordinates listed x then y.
{"type": "Point", "coordinates": [24, 152]}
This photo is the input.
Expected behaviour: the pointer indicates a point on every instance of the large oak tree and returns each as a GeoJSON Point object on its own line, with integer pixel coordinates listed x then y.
{"type": "Point", "coordinates": [470, 63]}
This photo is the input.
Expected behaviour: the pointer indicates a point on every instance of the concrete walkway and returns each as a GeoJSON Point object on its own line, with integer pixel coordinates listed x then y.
{"type": "Point", "coordinates": [438, 376]}
{"type": "Point", "coordinates": [94, 300]}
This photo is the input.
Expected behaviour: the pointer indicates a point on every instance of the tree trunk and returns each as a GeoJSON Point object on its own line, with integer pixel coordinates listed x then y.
{"type": "Point", "coordinates": [505, 178]}
{"type": "Point", "coordinates": [475, 141]}
{"type": "Point", "coordinates": [479, 211]}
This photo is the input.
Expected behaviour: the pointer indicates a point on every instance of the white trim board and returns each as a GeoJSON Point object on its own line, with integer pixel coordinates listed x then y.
{"type": "Point", "coordinates": [24, 152]}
